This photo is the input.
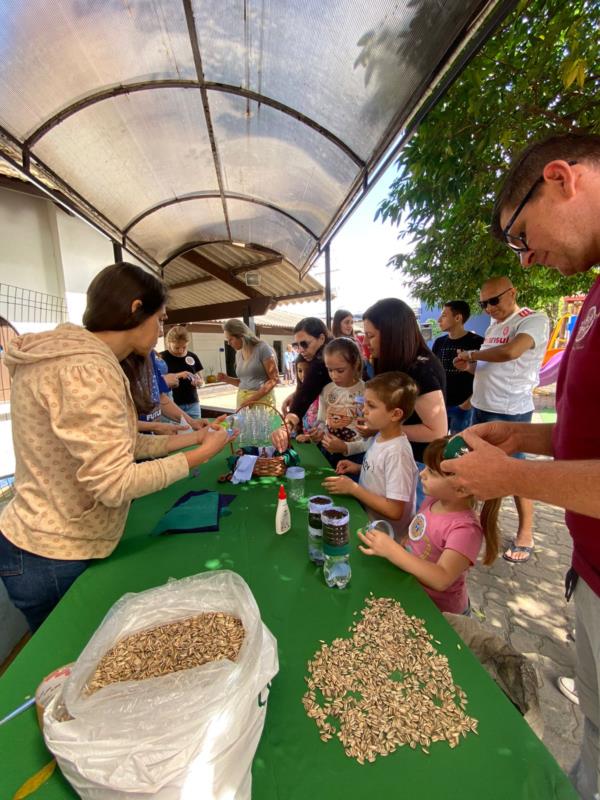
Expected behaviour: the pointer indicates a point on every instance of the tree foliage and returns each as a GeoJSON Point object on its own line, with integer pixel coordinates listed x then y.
{"type": "Point", "coordinates": [539, 74]}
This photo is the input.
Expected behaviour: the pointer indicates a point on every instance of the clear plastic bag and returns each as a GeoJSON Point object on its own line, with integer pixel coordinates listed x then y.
{"type": "Point", "coordinates": [189, 734]}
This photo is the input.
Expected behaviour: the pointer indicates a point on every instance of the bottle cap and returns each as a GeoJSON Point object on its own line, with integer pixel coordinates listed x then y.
{"type": "Point", "coordinates": [456, 447]}
{"type": "Point", "coordinates": [282, 495]}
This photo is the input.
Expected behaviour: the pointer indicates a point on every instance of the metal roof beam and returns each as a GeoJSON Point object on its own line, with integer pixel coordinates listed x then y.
{"type": "Point", "coordinates": [195, 45]}
{"type": "Point", "coordinates": [223, 275]}
{"type": "Point", "coordinates": [194, 282]}
{"type": "Point", "coordinates": [236, 308]}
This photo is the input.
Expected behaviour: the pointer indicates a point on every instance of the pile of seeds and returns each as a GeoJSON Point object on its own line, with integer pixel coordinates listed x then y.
{"type": "Point", "coordinates": [385, 687]}
{"type": "Point", "coordinates": [170, 648]}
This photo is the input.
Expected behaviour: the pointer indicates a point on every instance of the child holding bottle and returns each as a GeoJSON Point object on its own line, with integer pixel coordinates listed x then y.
{"type": "Point", "coordinates": [388, 476]}
{"type": "Point", "coordinates": [443, 539]}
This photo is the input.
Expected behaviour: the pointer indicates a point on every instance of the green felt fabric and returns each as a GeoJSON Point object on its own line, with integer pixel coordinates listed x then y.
{"type": "Point", "coordinates": [199, 511]}
{"type": "Point", "coordinates": [505, 761]}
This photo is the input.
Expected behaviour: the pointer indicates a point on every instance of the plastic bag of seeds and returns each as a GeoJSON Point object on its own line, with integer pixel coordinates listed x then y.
{"type": "Point", "coordinates": [168, 699]}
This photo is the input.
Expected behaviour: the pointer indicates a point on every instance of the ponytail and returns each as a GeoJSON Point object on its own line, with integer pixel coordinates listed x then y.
{"type": "Point", "coordinates": [488, 517]}
{"type": "Point", "coordinates": [491, 532]}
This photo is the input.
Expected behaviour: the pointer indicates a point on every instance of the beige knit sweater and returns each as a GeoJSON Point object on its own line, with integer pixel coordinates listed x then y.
{"type": "Point", "coordinates": [76, 441]}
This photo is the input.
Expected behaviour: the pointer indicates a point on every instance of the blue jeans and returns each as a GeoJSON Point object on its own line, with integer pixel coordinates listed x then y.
{"type": "Point", "coordinates": [458, 419]}
{"type": "Point", "coordinates": [35, 584]}
{"type": "Point", "coordinates": [193, 409]}
{"type": "Point", "coordinates": [491, 416]}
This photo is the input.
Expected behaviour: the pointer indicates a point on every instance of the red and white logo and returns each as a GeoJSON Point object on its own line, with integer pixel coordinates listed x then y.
{"type": "Point", "coordinates": [505, 330]}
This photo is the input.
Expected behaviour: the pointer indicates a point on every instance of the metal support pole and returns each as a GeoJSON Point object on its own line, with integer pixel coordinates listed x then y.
{"type": "Point", "coordinates": [117, 252]}
{"type": "Point", "coordinates": [328, 286]}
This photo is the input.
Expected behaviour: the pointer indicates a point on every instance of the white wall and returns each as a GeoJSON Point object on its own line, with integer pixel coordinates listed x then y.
{"type": "Point", "coordinates": [28, 256]}
{"type": "Point", "coordinates": [206, 346]}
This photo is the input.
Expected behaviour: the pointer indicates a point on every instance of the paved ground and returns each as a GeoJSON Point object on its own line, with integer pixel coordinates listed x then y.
{"type": "Point", "coordinates": [525, 604]}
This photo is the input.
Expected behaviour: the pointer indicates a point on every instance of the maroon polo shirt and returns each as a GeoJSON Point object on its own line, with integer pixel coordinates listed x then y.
{"type": "Point", "coordinates": [577, 431]}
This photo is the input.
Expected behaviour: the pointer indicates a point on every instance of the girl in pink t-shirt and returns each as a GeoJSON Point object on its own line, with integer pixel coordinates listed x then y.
{"type": "Point", "coordinates": [443, 539]}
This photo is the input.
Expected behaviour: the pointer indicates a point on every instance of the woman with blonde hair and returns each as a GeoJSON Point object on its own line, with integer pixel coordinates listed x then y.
{"type": "Point", "coordinates": [255, 365]}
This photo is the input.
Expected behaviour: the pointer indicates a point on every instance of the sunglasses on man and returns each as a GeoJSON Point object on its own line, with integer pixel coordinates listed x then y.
{"type": "Point", "coordinates": [492, 301]}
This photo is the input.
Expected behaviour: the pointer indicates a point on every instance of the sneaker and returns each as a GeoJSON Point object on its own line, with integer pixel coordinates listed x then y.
{"type": "Point", "coordinates": [566, 686]}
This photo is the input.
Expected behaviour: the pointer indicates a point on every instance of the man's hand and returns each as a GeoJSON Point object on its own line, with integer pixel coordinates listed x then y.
{"type": "Point", "coordinates": [340, 484]}
{"type": "Point", "coordinates": [486, 472]}
{"type": "Point", "coordinates": [221, 377]}
{"type": "Point", "coordinates": [504, 435]}
{"type": "Point", "coordinates": [466, 406]}
{"type": "Point", "coordinates": [345, 467]}
{"type": "Point", "coordinates": [376, 543]}
{"type": "Point", "coordinates": [334, 445]}
{"type": "Point", "coordinates": [461, 362]}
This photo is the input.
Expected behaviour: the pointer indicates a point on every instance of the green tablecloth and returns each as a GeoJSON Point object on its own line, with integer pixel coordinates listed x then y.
{"type": "Point", "coordinates": [506, 760]}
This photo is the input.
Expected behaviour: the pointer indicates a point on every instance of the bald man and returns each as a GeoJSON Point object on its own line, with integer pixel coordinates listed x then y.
{"type": "Point", "coordinates": [506, 370]}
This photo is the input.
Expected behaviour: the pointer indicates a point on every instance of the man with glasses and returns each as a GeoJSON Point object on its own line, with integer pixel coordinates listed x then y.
{"type": "Point", "coordinates": [507, 369]}
{"type": "Point", "coordinates": [548, 211]}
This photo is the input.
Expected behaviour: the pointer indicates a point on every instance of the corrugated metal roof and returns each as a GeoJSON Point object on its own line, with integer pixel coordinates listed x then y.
{"type": "Point", "coordinates": [279, 279]}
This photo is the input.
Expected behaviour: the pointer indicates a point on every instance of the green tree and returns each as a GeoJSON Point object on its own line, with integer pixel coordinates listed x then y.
{"type": "Point", "coordinates": [538, 75]}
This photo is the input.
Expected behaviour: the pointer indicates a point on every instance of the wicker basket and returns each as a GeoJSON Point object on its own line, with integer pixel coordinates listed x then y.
{"type": "Point", "coordinates": [266, 467]}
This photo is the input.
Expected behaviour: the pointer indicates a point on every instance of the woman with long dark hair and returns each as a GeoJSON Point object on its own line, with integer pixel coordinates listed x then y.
{"type": "Point", "coordinates": [311, 335]}
{"type": "Point", "coordinates": [396, 343]}
{"type": "Point", "coordinates": [76, 441]}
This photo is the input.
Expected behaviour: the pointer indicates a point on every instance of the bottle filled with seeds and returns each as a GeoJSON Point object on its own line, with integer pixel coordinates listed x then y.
{"type": "Point", "coordinates": [316, 505]}
{"type": "Point", "coordinates": [336, 546]}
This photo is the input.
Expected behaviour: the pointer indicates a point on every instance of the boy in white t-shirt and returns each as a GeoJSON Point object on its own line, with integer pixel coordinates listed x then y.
{"type": "Point", "coordinates": [388, 475]}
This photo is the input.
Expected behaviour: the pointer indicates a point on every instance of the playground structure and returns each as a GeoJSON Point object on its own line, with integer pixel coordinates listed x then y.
{"type": "Point", "coordinates": [571, 306]}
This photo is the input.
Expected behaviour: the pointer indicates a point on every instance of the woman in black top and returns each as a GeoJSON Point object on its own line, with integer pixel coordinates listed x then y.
{"type": "Point", "coordinates": [396, 343]}
{"type": "Point", "coordinates": [311, 335]}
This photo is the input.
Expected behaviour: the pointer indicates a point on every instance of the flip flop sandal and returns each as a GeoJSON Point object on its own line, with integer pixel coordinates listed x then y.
{"type": "Point", "coordinates": [517, 548]}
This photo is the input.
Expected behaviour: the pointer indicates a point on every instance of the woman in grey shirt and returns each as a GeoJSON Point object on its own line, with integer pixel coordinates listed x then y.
{"type": "Point", "coordinates": [255, 365]}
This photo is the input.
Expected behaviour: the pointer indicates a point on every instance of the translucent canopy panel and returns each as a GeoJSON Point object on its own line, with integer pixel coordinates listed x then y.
{"type": "Point", "coordinates": [164, 231]}
{"type": "Point", "coordinates": [54, 53]}
{"type": "Point", "coordinates": [350, 66]}
{"type": "Point", "coordinates": [128, 153]}
{"type": "Point", "coordinates": [254, 223]}
{"type": "Point", "coordinates": [271, 156]}
{"type": "Point", "coordinates": [277, 113]}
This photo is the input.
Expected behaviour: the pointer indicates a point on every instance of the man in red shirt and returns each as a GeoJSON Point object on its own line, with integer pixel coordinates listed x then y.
{"type": "Point", "coordinates": [548, 212]}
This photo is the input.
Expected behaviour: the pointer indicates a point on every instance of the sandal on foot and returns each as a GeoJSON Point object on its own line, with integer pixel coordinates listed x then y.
{"type": "Point", "coordinates": [517, 548]}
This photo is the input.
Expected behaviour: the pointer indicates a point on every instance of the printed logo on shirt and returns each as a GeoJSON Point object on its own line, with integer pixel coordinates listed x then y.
{"type": "Point", "coordinates": [505, 330]}
{"type": "Point", "coordinates": [417, 528]}
{"type": "Point", "coordinates": [525, 312]}
{"type": "Point", "coordinates": [587, 324]}
{"type": "Point", "coordinates": [189, 360]}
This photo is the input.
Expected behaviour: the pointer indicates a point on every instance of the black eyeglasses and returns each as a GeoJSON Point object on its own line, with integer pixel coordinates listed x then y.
{"type": "Point", "coordinates": [519, 243]}
{"type": "Point", "coordinates": [493, 301]}
{"type": "Point", "coordinates": [303, 345]}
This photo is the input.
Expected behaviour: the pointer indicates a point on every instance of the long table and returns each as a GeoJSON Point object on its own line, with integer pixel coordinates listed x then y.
{"type": "Point", "coordinates": [506, 760]}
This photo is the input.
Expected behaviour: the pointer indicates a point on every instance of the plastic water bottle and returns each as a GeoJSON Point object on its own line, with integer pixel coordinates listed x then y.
{"type": "Point", "coordinates": [316, 505]}
{"type": "Point", "coordinates": [336, 546]}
